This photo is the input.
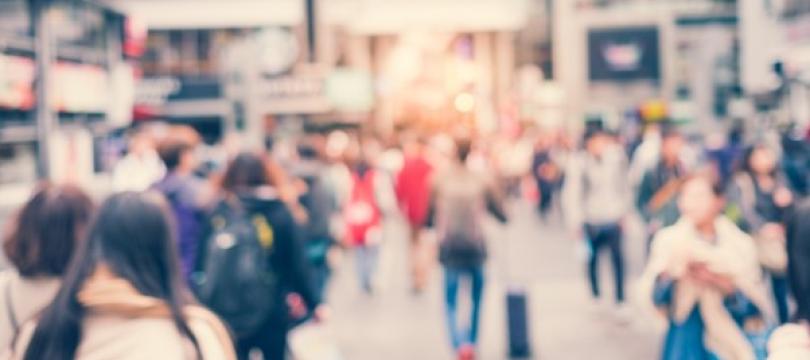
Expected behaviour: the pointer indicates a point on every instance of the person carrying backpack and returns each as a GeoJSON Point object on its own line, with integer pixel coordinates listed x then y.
{"type": "Point", "coordinates": [459, 202]}
{"type": "Point", "coordinates": [187, 195]}
{"type": "Point", "coordinates": [251, 258]}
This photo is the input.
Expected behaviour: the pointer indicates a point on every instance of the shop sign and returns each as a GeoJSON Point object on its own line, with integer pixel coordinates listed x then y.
{"type": "Point", "coordinates": [80, 88]}
{"type": "Point", "coordinates": [295, 94]}
{"type": "Point", "coordinates": [16, 82]}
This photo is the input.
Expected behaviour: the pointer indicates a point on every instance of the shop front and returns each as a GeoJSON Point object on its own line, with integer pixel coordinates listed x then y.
{"type": "Point", "coordinates": [68, 79]}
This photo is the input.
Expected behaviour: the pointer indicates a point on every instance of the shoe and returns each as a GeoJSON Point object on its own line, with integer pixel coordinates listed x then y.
{"type": "Point", "coordinates": [466, 352]}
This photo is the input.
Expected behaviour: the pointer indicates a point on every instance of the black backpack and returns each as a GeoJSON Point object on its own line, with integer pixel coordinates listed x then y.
{"type": "Point", "coordinates": [235, 279]}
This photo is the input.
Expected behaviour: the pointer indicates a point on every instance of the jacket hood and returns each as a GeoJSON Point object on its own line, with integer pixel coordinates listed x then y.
{"type": "Point", "coordinates": [106, 293]}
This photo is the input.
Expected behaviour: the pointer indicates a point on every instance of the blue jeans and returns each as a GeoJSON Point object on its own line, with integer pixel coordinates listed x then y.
{"type": "Point", "coordinates": [452, 278]}
{"type": "Point", "coordinates": [366, 260]}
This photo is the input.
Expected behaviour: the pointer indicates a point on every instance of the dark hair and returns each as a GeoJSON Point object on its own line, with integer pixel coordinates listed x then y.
{"type": "Point", "coordinates": [798, 249]}
{"type": "Point", "coordinates": [171, 151]}
{"type": "Point", "coordinates": [247, 170]}
{"type": "Point", "coordinates": [132, 235]}
{"type": "Point", "coordinates": [745, 164]}
{"type": "Point", "coordinates": [463, 149]}
{"type": "Point", "coordinates": [47, 229]}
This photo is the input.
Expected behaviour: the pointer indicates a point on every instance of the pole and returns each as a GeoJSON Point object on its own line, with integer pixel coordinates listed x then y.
{"type": "Point", "coordinates": [43, 54]}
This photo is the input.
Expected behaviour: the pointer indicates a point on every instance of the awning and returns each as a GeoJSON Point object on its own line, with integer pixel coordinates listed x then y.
{"type": "Point", "coordinates": [209, 14]}
{"type": "Point", "coordinates": [394, 16]}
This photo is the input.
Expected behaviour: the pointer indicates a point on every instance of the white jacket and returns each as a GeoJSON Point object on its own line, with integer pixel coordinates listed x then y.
{"type": "Point", "coordinates": [596, 191]}
{"type": "Point", "coordinates": [21, 299]}
{"type": "Point", "coordinates": [734, 255]}
{"type": "Point", "coordinates": [122, 324]}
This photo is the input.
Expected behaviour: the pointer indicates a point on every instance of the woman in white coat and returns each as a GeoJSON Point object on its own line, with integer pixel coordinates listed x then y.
{"type": "Point", "coordinates": [704, 277]}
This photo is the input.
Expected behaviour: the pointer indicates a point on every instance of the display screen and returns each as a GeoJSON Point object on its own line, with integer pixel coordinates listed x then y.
{"type": "Point", "coordinates": [624, 54]}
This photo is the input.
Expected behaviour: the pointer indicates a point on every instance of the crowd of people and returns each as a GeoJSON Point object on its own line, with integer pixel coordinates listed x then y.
{"type": "Point", "coordinates": [724, 233]}
{"type": "Point", "coordinates": [217, 253]}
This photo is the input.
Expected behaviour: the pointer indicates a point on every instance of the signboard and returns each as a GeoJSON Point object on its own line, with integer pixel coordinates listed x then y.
{"type": "Point", "coordinates": [16, 82]}
{"type": "Point", "coordinates": [80, 88]}
{"type": "Point", "coordinates": [624, 54]}
{"type": "Point", "coordinates": [295, 94]}
{"type": "Point", "coordinates": [350, 90]}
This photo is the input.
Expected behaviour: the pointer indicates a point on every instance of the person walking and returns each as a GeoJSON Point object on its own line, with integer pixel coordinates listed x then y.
{"type": "Point", "coordinates": [188, 196]}
{"type": "Point", "coordinates": [595, 178]}
{"type": "Point", "coordinates": [656, 199]}
{"type": "Point", "coordinates": [759, 199]}
{"type": "Point", "coordinates": [40, 243]}
{"type": "Point", "coordinates": [369, 198]}
{"type": "Point", "coordinates": [252, 259]}
{"type": "Point", "coordinates": [141, 166]}
{"type": "Point", "coordinates": [792, 341]}
{"type": "Point", "coordinates": [320, 203]}
{"type": "Point", "coordinates": [413, 193]}
{"type": "Point", "coordinates": [123, 296]}
{"type": "Point", "coordinates": [704, 277]}
{"type": "Point", "coordinates": [460, 200]}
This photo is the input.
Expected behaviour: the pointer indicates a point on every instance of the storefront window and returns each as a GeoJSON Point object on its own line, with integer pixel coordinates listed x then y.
{"type": "Point", "coordinates": [187, 52]}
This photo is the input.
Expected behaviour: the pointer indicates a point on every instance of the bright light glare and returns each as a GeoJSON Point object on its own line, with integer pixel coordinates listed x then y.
{"type": "Point", "coordinates": [465, 102]}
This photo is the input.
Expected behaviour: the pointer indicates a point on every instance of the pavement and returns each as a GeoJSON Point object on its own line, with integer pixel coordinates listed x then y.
{"type": "Point", "coordinates": [395, 324]}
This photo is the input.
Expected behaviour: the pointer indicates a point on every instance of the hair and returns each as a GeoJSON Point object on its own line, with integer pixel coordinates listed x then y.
{"type": "Point", "coordinates": [132, 235]}
{"type": "Point", "coordinates": [171, 151]}
{"type": "Point", "coordinates": [247, 170]}
{"type": "Point", "coordinates": [798, 249]}
{"type": "Point", "coordinates": [745, 163]}
{"type": "Point", "coordinates": [463, 149]}
{"type": "Point", "coordinates": [47, 230]}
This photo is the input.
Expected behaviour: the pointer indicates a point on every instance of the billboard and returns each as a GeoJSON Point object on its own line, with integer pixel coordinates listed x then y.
{"type": "Point", "coordinates": [624, 54]}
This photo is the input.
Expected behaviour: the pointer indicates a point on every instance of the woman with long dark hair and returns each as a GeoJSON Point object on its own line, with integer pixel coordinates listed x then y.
{"type": "Point", "coordinates": [123, 296]}
{"type": "Point", "coordinates": [254, 194]}
{"type": "Point", "coordinates": [760, 198]}
{"type": "Point", "coordinates": [40, 243]}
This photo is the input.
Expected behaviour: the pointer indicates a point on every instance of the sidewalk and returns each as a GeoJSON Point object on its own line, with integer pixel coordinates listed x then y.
{"type": "Point", "coordinates": [396, 325]}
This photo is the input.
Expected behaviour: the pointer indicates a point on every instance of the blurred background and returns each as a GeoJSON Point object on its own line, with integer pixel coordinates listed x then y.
{"type": "Point", "coordinates": [84, 83]}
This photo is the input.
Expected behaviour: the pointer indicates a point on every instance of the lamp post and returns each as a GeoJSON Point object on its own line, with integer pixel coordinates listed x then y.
{"type": "Point", "coordinates": [43, 56]}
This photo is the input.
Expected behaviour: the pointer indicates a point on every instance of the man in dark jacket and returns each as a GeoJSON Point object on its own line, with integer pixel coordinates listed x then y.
{"type": "Point", "coordinates": [657, 194]}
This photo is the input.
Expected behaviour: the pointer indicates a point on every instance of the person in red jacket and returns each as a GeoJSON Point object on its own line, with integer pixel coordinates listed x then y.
{"type": "Point", "coordinates": [413, 193]}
